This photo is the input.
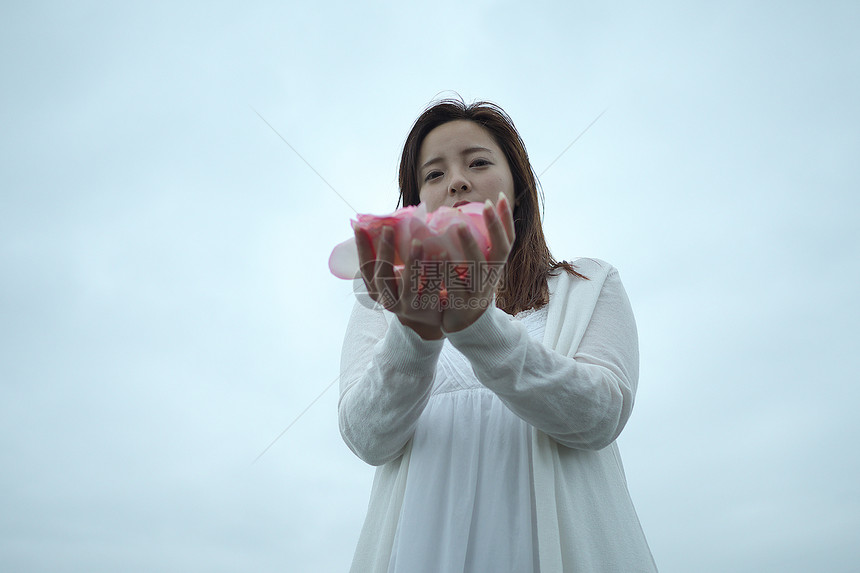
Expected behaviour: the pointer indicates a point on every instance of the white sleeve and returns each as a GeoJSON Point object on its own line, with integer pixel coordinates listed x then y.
{"type": "Point", "coordinates": [582, 401]}
{"type": "Point", "coordinates": [386, 374]}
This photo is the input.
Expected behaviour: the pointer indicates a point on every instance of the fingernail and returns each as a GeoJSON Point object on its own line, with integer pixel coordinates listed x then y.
{"type": "Point", "coordinates": [502, 195]}
{"type": "Point", "coordinates": [489, 204]}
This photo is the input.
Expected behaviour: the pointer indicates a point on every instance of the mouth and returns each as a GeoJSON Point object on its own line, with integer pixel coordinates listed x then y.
{"type": "Point", "coordinates": [460, 204]}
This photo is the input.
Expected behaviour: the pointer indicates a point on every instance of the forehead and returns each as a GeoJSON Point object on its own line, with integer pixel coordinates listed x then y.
{"type": "Point", "coordinates": [453, 137]}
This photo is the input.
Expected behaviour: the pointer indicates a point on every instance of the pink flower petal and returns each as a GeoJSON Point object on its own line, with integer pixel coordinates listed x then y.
{"type": "Point", "coordinates": [343, 261]}
{"type": "Point", "coordinates": [436, 231]}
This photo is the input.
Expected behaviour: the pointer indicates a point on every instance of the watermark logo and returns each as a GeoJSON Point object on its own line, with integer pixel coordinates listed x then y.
{"type": "Point", "coordinates": [439, 285]}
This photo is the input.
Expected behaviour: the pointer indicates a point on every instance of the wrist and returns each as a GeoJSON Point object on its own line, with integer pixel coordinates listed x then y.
{"type": "Point", "coordinates": [455, 320]}
{"type": "Point", "coordinates": [425, 331]}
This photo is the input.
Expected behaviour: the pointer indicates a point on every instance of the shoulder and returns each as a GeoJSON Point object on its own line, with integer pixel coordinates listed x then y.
{"type": "Point", "coordinates": [595, 271]}
{"type": "Point", "coordinates": [572, 300]}
{"type": "Point", "coordinates": [598, 267]}
{"type": "Point", "coordinates": [601, 278]}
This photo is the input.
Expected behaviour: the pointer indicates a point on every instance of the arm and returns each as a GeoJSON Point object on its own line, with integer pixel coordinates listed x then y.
{"type": "Point", "coordinates": [582, 401]}
{"type": "Point", "coordinates": [387, 371]}
{"type": "Point", "coordinates": [386, 376]}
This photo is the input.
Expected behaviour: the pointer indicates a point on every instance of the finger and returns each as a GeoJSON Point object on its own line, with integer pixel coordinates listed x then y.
{"type": "Point", "coordinates": [420, 295]}
{"type": "Point", "coordinates": [463, 276]}
{"type": "Point", "coordinates": [506, 214]}
{"type": "Point", "coordinates": [385, 251]}
{"type": "Point", "coordinates": [471, 250]}
{"type": "Point", "coordinates": [427, 271]}
{"type": "Point", "coordinates": [385, 277]}
{"type": "Point", "coordinates": [412, 270]}
{"type": "Point", "coordinates": [500, 245]}
{"type": "Point", "coordinates": [366, 264]}
{"type": "Point", "coordinates": [439, 287]}
{"type": "Point", "coordinates": [434, 270]}
{"type": "Point", "coordinates": [480, 277]}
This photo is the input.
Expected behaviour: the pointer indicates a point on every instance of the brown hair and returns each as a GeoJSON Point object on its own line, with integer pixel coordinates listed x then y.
{"type": "Point", "coordinates": [530, 263]}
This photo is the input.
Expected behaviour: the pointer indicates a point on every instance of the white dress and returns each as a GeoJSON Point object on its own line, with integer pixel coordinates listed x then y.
{"type": "Point", "coordinates": [468, 504]}
{"type": "Point", "coordinates": [450, 488]}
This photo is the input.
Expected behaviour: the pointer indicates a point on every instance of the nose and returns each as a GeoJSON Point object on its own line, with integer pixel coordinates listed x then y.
{"type": "Point", "coordinates": [459, 184]}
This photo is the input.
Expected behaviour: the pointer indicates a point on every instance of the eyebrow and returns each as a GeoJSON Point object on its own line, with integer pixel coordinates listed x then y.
{"type": "Point", "coordinates": [466, 151]}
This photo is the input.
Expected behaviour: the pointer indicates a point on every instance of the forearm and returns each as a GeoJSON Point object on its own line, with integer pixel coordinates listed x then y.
{"type": "Point", "coordinates": [582, 401]}
{"type": "Point", "coordinates": [384, 388]}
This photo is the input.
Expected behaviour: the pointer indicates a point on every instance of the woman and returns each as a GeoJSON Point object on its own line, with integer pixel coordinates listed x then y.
{"type": "Point", "coordinates": [491, 414]}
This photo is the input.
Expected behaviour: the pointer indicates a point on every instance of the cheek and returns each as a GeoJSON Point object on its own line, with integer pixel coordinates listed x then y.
{"type": "Point", "coordinates": [431, 199]}
{"type": "Point", "coordinates": [505, 184]}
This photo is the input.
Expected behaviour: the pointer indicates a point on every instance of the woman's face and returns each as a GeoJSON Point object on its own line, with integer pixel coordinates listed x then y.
{"type": "Point", "coordinates": [459, 162]}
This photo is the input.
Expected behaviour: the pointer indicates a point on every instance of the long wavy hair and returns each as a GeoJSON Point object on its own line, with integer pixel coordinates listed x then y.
{"type": "Point", "coordinates": [530, 263]}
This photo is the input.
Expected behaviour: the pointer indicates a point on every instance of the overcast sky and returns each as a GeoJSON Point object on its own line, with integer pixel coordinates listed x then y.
{"type": "Point", "coordinates": [167, 311]}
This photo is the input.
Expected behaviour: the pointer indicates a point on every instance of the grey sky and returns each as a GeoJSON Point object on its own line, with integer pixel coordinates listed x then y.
{"type": "Point", "coordinates": [166, 307]}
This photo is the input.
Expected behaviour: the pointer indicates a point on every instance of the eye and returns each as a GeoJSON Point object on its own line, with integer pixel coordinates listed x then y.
{"type": "Point", "coordinates": [432, 175]}
{"type": "Point", "coordinates": [480, 163]}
